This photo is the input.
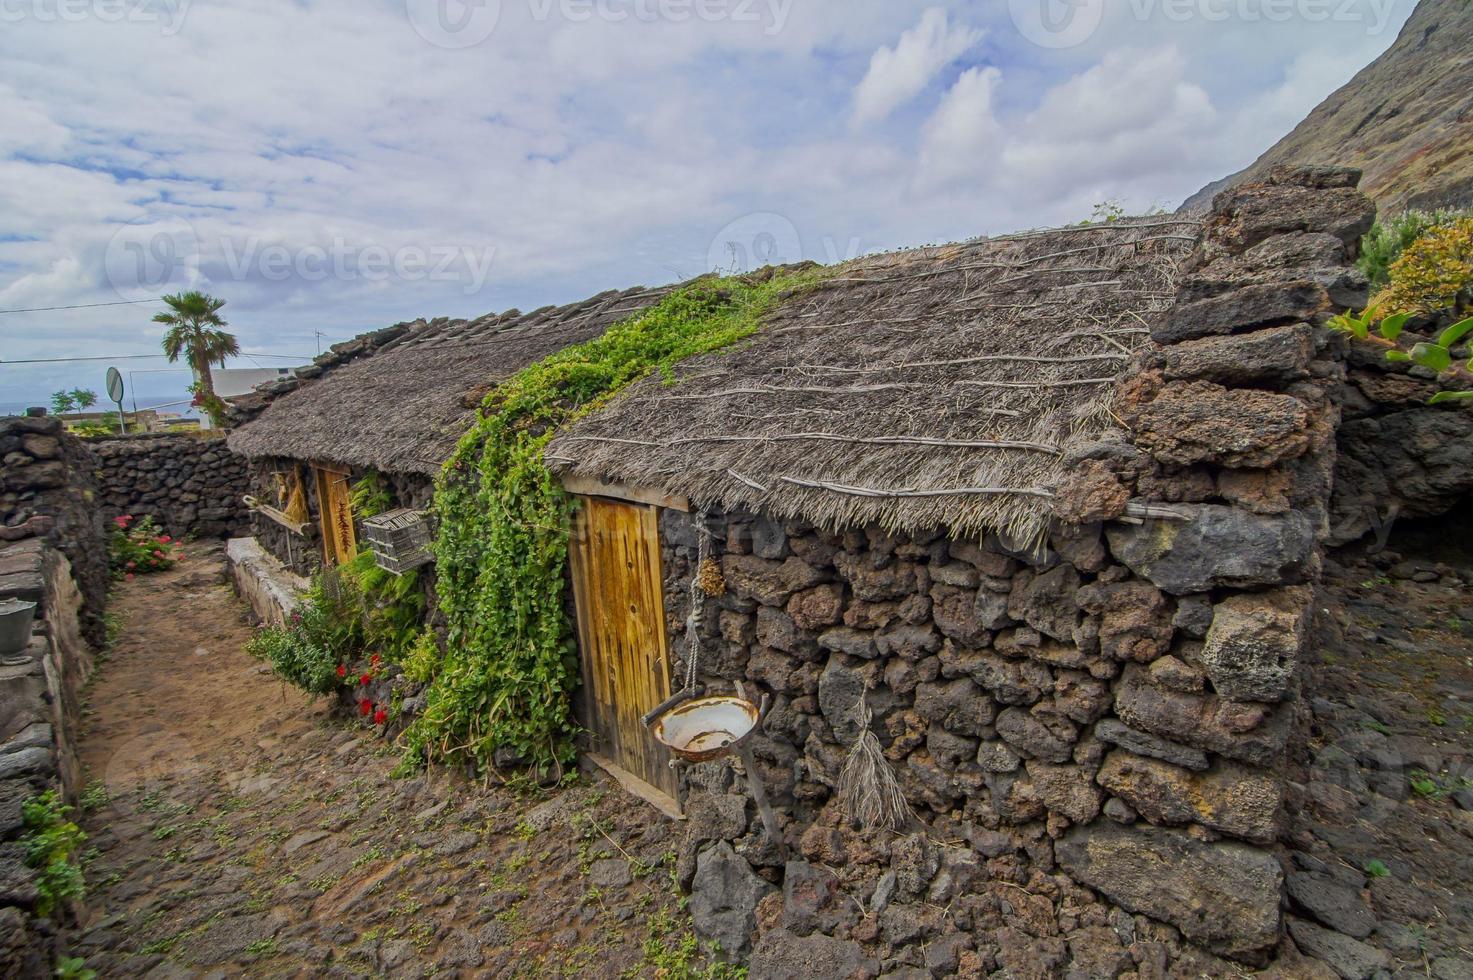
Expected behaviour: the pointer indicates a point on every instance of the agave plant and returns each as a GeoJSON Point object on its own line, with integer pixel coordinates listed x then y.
{"type": "Point", "coordinates": [1436, 355]}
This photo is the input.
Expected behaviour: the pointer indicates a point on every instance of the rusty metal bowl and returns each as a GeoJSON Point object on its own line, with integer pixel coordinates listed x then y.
{"type": "Point", "coordinates": [706, 728]}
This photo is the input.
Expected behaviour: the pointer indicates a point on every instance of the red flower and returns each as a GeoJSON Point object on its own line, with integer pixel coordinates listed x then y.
{"type": "Point", "coordinates": [132, 564]}
{"type": "Point", "coordinates": [374, 660]}
{"type": "Point", "coordinates": [164, 539]}
{"type": "Point", "coordinates": [364, 679]}
{"type": "Point", "coordinates": [342, 671]}
{"type": "Point", "coordinates": [365, 707]}
{"type": "Point", "coordinates": [129, 577]}
{"type": "Point", "coordinates": [380, 716]}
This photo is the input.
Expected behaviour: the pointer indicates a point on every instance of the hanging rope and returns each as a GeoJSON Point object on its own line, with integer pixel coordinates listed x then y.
{"type": "Point", "coordinates": [698, 594]}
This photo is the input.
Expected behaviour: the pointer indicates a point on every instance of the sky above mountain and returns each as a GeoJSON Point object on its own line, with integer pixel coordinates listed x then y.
{"type": "Point", "coordinates": [330, 168]}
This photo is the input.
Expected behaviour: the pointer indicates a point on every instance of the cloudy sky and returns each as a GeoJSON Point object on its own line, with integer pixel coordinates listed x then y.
{"type": "Point", "coordinates": [333, 167]}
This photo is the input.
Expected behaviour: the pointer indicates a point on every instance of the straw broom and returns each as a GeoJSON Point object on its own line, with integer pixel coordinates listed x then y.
{"type": "Point", "coordinates": [868, 791]}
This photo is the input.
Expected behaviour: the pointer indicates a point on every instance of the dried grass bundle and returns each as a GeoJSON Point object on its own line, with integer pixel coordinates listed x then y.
{"type": "Point", "coordinates": [868, 790]}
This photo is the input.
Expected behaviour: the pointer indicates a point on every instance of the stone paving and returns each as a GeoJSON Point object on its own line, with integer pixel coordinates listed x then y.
{"type": "Point", "coordinates": [246, 831]}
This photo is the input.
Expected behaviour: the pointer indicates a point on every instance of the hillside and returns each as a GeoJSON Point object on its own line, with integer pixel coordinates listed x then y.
{"type": "Point", "coordinates": [1406, 119]}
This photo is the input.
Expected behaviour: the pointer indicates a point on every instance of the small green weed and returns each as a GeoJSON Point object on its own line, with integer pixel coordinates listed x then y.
{"type": "Point", "coordinates": [262, 947]}
{"type": "Point", "coordinates": [51, 842]}
{"type": "Point", "coordinates": [95, 796]}
{"type": "Point", "coordinates": [1376, 868]}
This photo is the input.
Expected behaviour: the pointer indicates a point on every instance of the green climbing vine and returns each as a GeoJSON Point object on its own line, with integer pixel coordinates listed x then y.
{"type": "Point", "coordinates": [510, 663]}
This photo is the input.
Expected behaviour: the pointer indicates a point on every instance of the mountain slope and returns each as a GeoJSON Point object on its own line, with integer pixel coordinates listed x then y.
{"type": "Point", "coordinates": [1406, 119]}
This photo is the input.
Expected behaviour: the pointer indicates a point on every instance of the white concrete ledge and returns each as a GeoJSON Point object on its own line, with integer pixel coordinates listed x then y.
{"type": "Point", "coordinates": [262, 580]}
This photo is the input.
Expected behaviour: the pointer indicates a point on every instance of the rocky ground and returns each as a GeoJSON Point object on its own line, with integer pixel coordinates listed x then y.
{"type": "Point", "coordinates": [1384, 825]}
{"type": "Point", "coordinates": [242, 830]}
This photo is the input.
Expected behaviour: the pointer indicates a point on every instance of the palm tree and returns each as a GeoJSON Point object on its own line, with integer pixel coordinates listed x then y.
{"type": "Point", "coordinates": [195, 324]}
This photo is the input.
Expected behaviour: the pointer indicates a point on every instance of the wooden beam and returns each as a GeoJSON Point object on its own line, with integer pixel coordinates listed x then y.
{"type": "Point", "coordinates": [635, 786]}
{"type": "Point", "coordinates": [597, 488]}
{"type": "Point", "coordinates": [272, 514]}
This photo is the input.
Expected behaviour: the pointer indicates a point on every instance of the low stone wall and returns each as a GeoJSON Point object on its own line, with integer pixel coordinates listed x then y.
{"type": "Point", "coordinates": [1118, 708]}
{"type": "Point", "coordinates": [40, 711]}
{"type": "Point", "coordinates": [191, 485]}
{"type": "Point", "coordinates": [264, 582]}
{"type": "Point", "coordinates": [47, 490]}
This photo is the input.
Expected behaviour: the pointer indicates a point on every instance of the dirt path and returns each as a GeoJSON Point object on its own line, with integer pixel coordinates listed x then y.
{"type": "Point", "coordinates": [247, 832]}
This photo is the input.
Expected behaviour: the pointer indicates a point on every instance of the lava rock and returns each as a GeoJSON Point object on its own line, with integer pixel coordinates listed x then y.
{"type": "Point", "coordinates": [1218, 547]}
{"type": "Point", "coordinates": [1223, 895]}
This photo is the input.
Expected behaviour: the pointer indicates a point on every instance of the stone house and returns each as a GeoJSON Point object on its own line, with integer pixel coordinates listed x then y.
{"type": "Point", "coordinates": [392, 402]}
{"type": "Point", "coordinates": [1047, 509]}
{"type": "Point", "coordinates": [1043, 513]}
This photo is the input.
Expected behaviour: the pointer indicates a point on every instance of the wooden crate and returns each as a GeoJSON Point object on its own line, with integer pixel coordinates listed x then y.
{"type": "Point", "coordinates": [399, 539]}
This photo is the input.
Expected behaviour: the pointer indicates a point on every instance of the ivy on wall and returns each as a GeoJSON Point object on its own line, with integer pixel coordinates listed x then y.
{"type": "Point", "coordinates": [510, 662]}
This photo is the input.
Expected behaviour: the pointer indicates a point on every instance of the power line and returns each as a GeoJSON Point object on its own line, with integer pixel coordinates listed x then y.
{"type": "Point", "coordinates": [82, 306]}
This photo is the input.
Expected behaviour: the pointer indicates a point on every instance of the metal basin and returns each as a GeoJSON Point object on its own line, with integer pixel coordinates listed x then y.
{"type": "Point", "coordinates": [706, 728]}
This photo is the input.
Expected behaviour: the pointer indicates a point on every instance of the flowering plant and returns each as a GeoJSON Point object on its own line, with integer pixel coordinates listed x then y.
{"type": "Point", "coordinates": [139, 548]}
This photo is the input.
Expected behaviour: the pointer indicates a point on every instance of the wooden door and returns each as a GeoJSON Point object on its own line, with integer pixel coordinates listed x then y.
{"type": "Point", "coordinates": [335, 514]}
{"type": "Point", "coordinates": [615, 563]}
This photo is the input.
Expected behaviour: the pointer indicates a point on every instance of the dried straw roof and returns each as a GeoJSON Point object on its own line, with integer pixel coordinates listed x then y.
{"type": "Point", "coordinates": [404, 407]}
{"type": "Point", "coordinates": [929, 388]}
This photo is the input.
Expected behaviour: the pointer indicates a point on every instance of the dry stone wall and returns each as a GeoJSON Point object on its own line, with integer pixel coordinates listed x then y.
{"type": "Point", "coordinates": [1116, 709]}
{"type": "Point", "coordinates": [191, 485]}
{"type": "Point", "coordinates": [48, 491]}
{"type": "Point", "coordinates": [52, 553]}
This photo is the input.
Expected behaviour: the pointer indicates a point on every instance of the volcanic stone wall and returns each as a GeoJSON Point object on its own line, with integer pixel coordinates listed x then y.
{"type": "Point", "coordinates": [191, 485]}
{"type": "Point", "coordinates": [48, 492]}
{"type": "Point", "coordinates": [1116, 709]}
{"type": "Point", "coordinates": [49, 516]}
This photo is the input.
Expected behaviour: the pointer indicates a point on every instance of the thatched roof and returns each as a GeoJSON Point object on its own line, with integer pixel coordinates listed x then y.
{"type": "Point", "coordinates": [401, 407]}
{"type": "Point", "coordinates": [927, 388]}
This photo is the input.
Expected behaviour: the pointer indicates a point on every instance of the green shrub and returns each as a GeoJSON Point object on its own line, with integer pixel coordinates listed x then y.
{"type": "Point", "coordinates": [51, 843]}
{"type": "Point", "coordinates": [1433, 274]}
{"type": "Point", "coordinates": [423, 658]}
{"type": "Point", "coordinates": [324, 632]}
{"type": "Point", "coordinates": [1388, 238]}
{"type": "Point", "coordinates": [295, 658]}
{"type": "Point", "coordinates": [502, 544]}
{"type": "Point", "coordinates": [141, 548]}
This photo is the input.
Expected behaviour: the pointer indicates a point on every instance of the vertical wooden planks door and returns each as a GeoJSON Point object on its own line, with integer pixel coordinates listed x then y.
{"type": "Point", "coordinates": [615, 564]}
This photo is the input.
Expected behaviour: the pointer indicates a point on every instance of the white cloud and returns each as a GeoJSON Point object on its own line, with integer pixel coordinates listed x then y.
{"type": "Point", "coordinates": [897, 75]}
{"type": "Point", "coordinates": [587, 155]}
{"type": "Point", "coordinates": [963, 135]}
